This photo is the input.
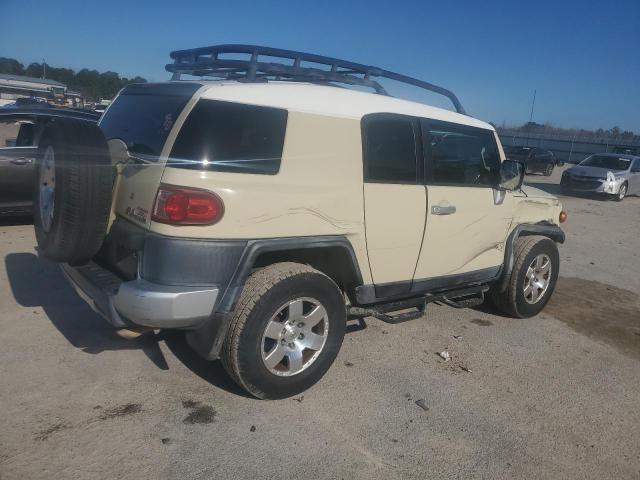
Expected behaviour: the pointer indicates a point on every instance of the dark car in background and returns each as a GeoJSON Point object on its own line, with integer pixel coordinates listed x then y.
{"type": "Point", "coordinates": [20, 132]}
{"type": "Point", "coordinates": [537, 160]}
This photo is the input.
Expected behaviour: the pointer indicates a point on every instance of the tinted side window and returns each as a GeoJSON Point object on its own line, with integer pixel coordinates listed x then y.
{"type": "Point", "coordinates": [460, 155]}
{"type": "Point", "coordinates": [231, 137]}
{"type": "Point", "coordinates": [389, 145]}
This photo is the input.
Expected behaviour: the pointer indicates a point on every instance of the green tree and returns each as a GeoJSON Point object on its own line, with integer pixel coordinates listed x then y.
{"type": "Point", "coordinates": [11, 66]}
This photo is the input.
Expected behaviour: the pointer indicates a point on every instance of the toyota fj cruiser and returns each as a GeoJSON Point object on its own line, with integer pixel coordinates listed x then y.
{"type": "Point", "coordinates": [261, 210]}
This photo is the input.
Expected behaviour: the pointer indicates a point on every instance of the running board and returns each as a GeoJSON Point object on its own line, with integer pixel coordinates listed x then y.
{"type": "Point", "coordinates": [464, 298]}
{"type": "Point", "coordinates": [460, 298]}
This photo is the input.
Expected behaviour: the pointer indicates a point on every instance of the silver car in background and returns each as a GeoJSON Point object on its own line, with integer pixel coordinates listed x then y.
{"type": "Point", "coordinates": [608, 173]}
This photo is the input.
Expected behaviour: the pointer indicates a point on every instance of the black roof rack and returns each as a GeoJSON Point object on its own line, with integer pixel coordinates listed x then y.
{"type": "Point", "coordinates": [207, 61]}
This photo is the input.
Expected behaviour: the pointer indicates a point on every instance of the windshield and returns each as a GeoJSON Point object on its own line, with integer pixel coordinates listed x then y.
{"type": "Point", "coordinates": [605, 161]}
{"type": "Point", "coordinates": [142, 122]}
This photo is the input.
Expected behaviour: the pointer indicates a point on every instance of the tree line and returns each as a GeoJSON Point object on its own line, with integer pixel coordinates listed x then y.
{"type": "Point", "coordinates": [614, 134]}
{"type": "Point", "coordinates": [93, 85]}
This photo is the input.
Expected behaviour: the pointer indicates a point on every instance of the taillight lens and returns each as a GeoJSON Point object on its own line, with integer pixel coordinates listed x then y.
{"type": "Point", "coordinates": [185, 206]}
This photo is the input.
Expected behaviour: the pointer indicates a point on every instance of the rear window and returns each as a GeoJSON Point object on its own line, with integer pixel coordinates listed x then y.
{"type": "Point", "coordinates": [231, 137]}
{"type": "Point", "coordinates": [142, 122]}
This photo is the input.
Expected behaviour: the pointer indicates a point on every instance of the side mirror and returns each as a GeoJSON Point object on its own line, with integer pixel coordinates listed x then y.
{"type": "Point", "coordinates": [511, 175]}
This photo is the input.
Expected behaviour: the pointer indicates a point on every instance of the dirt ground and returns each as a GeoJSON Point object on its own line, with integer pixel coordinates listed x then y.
{"type": "Point", "coordinates": [553, 397]}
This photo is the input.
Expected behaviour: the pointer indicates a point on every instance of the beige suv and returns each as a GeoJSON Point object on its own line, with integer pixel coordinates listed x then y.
{"type": "Point", "coordinates": [258, 212]}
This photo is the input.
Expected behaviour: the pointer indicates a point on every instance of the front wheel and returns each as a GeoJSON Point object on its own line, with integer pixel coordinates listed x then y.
{"type": "Point", "coordinates": [622, 192]}
{"type": "Point", "coordinates": [285, 332]}
{"type": "Point", "coordinates": [532, 280]}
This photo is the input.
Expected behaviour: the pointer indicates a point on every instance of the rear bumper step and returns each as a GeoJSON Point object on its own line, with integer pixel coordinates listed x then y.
{"type": "Point", "coordinates": [139, 302]}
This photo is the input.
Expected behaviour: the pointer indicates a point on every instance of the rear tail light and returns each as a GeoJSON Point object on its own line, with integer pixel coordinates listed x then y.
{"type": "Point", "coordinates": [186, 206]}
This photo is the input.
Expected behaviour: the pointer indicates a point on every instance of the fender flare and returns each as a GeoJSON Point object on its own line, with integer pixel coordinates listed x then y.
{"type": "Point", "coordinates": [207, 339]}
{"type": "Point", "coordinates": [554, 232]}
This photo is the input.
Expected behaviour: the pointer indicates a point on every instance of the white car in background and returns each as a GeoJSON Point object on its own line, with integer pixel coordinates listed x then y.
{"type": "Point", "coordinates": [609, 173]}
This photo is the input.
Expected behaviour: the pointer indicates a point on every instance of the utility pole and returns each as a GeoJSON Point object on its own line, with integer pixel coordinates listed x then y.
{"type": "Point", "coordinates": [533, 102]}
{"type": "Point", "coordinates": [44, 69]}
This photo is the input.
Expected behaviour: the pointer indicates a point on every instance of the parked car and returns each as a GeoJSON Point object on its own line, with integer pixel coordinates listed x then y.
{"type": "Point", "coordinates": [536, 160]}
{"type": "Point", "coordinates": [258, 214]}
{"type": "Point", "coordinates": [611, 174]}
{"type": "Point", "coordinates": [20, 132]}
{"type": "Point", "coordinates": [626, 150]}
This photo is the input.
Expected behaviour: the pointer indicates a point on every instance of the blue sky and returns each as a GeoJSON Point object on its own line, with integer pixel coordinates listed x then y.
{"type": "Point", "coordinates": [582, 57]}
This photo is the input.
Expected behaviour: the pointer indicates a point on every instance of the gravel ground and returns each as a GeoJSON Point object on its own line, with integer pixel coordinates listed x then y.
{"type": "Point", "coordinates": [553, 397]}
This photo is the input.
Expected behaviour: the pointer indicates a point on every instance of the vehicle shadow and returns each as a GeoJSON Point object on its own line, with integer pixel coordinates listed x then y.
{"type": "Point", "coordinates": [11, 221]}
{"type": "Point", "coordinates": [37, 282]}
{"type": "Point", "coordinates": [552, 188]}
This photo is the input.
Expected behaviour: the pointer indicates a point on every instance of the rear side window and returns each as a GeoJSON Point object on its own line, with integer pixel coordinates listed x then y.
{"type": "Point", "coordinates": [231, 137]}
{"type": "Point", "coordinates": [461, 155]}
{"type": "Point", "coordinates": [142, 121]}
{"type": "Point", "coordinates": [389, 144]}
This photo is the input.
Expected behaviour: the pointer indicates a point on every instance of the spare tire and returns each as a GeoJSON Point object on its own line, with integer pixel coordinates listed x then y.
{"type": "Point", "coordinates": [72, 191]}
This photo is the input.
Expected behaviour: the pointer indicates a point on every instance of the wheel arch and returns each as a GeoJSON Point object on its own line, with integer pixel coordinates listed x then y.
{"type": "Point", "coordinates": [332, 255]}
{"type": "Point", "coordinates": [553, 232]}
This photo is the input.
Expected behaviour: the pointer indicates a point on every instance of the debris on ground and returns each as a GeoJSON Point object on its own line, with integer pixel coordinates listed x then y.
{"type": "Point", "coordinates": [348, 364]}
{"type": "Point", "coordinates": [421, 403]}
{"type": "Point", "coordinates": [445, 355]}
{"type": "Point", "coordinates": [299, 399]}
{"type": "Point", "coordinates": [458, 337]}
{"type": "Point", "coordinates": [466, 369]}
{"type": "Point", "coordinates": [252, 429]}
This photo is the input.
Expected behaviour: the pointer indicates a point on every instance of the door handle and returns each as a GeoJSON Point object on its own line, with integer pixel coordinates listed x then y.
{"type": "Point", "coordinates": [443, 210]}
{"type": "Point", "coordinates": [21, 161]}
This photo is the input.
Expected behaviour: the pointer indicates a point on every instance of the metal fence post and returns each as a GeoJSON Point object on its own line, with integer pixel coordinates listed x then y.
{"type": "Point", "coordinates": [571, 150]}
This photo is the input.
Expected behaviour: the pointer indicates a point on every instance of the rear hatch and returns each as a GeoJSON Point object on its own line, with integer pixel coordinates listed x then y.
{"type": "Point", "coordinates": [138, 125]}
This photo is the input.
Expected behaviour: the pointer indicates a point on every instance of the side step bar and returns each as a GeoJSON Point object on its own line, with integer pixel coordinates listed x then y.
{"type": "Point", "coordinates": [460, 298]}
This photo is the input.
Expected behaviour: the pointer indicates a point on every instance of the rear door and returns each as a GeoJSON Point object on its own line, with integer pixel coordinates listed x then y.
{"type": "Point", "coordinates": [395, 199]}
{"type": "Point", "coordinates": [17, 156]}
{"type": "Point", "coordinates": [467, 218]}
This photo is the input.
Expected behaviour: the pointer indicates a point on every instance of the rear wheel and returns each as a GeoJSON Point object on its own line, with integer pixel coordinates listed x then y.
{"type": "Point", "coordinates": [548, 170]}
{"type": "Point", "coordinates": [532, 280]}
{"type": "Point", "coordinates": [72, 191]}
{"type": "Point", "coordinates": [286, 330]}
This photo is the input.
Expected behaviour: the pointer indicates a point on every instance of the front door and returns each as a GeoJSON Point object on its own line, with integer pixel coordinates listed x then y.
{"type": "Point", "coordinates": [467, 219]}
{"type": "Point", "coordinates": [395, 200]}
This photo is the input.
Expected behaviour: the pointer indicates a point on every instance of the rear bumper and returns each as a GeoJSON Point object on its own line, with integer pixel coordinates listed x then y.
{"type": "Point", "coordinates": [139, 302]}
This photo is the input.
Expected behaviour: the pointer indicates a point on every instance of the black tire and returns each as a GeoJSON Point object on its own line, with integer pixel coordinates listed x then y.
{"type": "Point", "coordinates": [548, 170]}
{"type": "Point", "coordinates": [622, 193]}
{"type": "Point", "coordinates": [265, 291]}
{"type": "Point", "coordinates": [511, 300]}
{"type": "Point", "coordinates": [82, 195]}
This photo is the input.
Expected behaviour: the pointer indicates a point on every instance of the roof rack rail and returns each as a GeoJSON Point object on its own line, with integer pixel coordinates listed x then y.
{"type": "Point", "coordinates": [206, 61]}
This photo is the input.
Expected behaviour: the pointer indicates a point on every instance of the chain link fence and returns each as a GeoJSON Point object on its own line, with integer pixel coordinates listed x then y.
{"type": "Point", "coordinates": [571, 149]}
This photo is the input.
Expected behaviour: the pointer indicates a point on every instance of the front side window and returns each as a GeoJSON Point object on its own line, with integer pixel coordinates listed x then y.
{"type": "Point", "coordinates": [389, 146]}
{"type": "Point", "coordinates": [460, 155]}
{"type": "Point", "coordinates": [231, 137]}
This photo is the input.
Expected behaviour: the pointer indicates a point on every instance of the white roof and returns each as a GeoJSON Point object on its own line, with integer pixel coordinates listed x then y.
{"type": "Point", "coordinates": [327, 100]}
